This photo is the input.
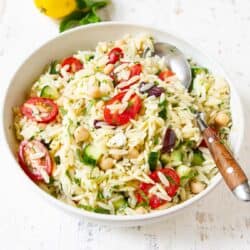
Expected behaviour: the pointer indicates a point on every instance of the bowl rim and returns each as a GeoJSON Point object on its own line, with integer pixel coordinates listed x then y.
{"type": "Point", "coordinates": [120, 218]}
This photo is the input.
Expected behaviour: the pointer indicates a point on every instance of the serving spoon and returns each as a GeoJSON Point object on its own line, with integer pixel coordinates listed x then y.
{"type": "Point", "coordinates": [229, 168]}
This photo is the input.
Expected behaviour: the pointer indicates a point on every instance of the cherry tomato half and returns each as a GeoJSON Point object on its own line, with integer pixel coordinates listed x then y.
{"type": "Point", "coordinates": [172, 176]}
{"type": "Point", "coordinates": [73, 63]}
{"type": "Point", "coordinates": [115, 55]}
{"type": "Point", "coordinates": [135, 70]}
{"type": "Point", "coordinates": [42, 110]}
{"type": "Point", "coordinates": [130, 112]}
{"type": "Point", "coordinates": [165, 74]}
{"type": "Point", "coordinates": [33, 157]}
{"type": "Point", "coordinates": [154, 201]}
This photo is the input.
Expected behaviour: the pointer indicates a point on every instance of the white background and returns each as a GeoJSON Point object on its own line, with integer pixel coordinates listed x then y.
{"type": "Point", "coordinates": [219, 222]}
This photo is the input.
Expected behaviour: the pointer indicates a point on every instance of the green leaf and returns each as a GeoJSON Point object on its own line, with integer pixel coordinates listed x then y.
{"type": "Point", "coordinates": [91, 17]}
{"type": "Point", "coordinates": [71, 20]}
{"type": "Point", "coordinates": [81, 4]}
{"type": "Point", "coordinates": [85, 15]}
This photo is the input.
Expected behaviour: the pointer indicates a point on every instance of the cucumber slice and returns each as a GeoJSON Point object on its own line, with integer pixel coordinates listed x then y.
{"type": "Point", "coordinates": [91, 154]}
{"type": "Point", "coordinates": [153, 160]}
{"type": "Point", "coordinates": [120, 203]}
{"type": "Point", "coordinates": [177, 155]}
{"type": "Point", "coordinates": [198, 158]}
{"type": "Point", "coordinates": [165, 159]}
{"type": "Point", "coordinates": [49, 92]}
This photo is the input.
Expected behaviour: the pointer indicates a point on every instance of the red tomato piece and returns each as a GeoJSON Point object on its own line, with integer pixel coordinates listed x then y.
{"type": "Point", "coordinates": [42, 110]}
{"type": "Point", "coordinates": [135, 70]}
{"type": "Point", "coordinates": [155, 201]}
{"type": "Point", "coordinates": [115, 55]}
{"type": "Point", "coordinates": [174, 183]}
{"type": "Point", "coordinates": [130, 112]}
{"type": "Point", "coordinates": [73, 63]}
{"type": "Point", "coordinates": [32, 165]}
{"type": "Point", "coordinates": [165, 74]}
{"type": "Point", "coordinates": [145, 187]}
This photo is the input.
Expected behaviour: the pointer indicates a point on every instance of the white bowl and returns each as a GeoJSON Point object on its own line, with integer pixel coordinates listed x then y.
{"type": "Point", "coordinates": [86, 38]}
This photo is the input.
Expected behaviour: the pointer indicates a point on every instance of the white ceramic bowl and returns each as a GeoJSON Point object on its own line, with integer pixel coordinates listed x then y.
{"type": "Point", "coordinates": [86, 38]}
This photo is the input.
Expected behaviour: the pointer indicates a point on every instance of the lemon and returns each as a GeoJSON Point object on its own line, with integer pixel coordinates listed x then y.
{"type": "Point", "coordinates": [56, 8]}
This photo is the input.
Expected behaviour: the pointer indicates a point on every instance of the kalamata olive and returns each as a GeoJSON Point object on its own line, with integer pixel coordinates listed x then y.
{"type": "Point", "coordinates": [169, 141]}
{"type": "Point", "coordinates": [97, 123]}
{"type": "Point", "coordinates": [156, 91]}
{"type": "Point", "coordinates": [150, 89]}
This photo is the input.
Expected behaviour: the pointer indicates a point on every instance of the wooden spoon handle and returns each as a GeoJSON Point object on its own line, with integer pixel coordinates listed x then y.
{"type": "Point", "coordinates": [227, 165]}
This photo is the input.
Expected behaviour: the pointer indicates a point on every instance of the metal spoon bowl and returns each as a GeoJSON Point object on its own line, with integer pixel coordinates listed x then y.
{"type": "Point", "coordinates": [176, 61]}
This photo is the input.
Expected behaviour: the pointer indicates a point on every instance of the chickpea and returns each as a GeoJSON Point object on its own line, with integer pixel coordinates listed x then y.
{"type": "Point", "coordinates": [81, 134]}
{"type": "Point", "coordinates": [141, 210]}
{"type": "Point", "coordinates": [117, 157]}
{"type": "Point", "coordinates": [106, 163]}
{"type": "Point", "coordinates": [197, 187]}
{"type": "Point", "coordinates": [108, 68]}
{"type": "Point", "coordinates": [133, 153]}
{"type": "Point", "coordinates": [95, 92]}
{"type": "Point", "coordinates": [222, 119]}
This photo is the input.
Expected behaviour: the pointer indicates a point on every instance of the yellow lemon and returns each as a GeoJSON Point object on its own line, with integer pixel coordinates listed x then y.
{"type": "Point", "coordinates": [56, 8]}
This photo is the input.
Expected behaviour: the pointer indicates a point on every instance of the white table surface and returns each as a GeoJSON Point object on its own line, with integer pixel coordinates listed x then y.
{"type": "Point", "coordinates": [218, 222]}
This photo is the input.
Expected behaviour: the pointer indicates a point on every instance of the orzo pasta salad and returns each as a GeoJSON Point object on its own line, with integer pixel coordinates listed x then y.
{"type": "Point", "coordinates": [113, 131]}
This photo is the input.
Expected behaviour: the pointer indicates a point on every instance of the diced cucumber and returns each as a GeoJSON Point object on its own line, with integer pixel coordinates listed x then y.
{"type": "Point", "coordinates": [198, 158]}
{"type": "Point", "coordinates": [91, 154]}
{"type": "Point", "coordinates": [153, 160]}
{"type": "Point", "coordinates": [101, 210]}
{"type": "Point", "coordinates": [177, 155]}
{"type": "Point", "coordinates": [89, 57]}
{"type": "Point", "coordinates": [183, 170]}
{"type": "Point", "coordinates": [120, 203]}
{"type": "Point", "coordinates": [98, 210]}
{"type": "Point", "coordinates": [163, 109]}
{"type": "Point", "coordinates": [49, 92]}
{"type": "Point", "coordinates": [165, 159]}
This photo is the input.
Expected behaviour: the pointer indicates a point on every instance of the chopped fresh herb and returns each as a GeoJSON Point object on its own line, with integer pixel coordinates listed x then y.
{"type": "Point", "coordinates": [77, 181]}
{"type": "Point", "coordinates": [51, 180]}
{"type": "Point", "coordinates": [68, 175]}
{"type": "Point", "coordinates": [57, 160]}
{"type": "Point", "coordinates": [62, 111]}
{"type": "Point", "coordinates": [100, 195]}
{"type": "Point", "coordinates": [89, 57]}
{"type": "Point", "coordinates": [156, 140]}
{"type": "Point", "coordinates": [52, 69]}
